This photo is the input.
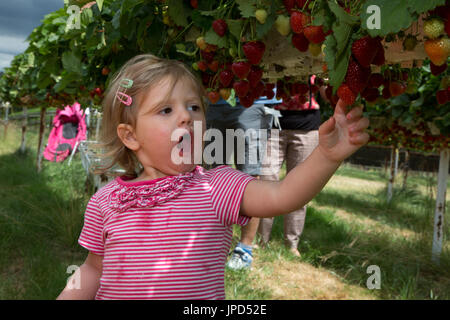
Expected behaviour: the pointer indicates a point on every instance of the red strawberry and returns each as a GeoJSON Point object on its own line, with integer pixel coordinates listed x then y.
{"type": "Point", "coordinates": [259, 89]}
{"type": "Point", "coordinates": [269, 93]}
{"type": "Point", "coordinates": [442, 96]}
{"type": "Point", "coordinates": [300, 100]}
{"type": "Point", "coordinates": [207, 56]}
{"type": "Point", "coordinates": [241, 69]}
{"type": "Point", "coordinates": [254, 76]}
{"type": "Point", "coordinates": [404, 75]}
{"type": "Point", "coordinates": [205, 79]}
{"type": "Point", "coordinates": [379, 59]}
{"type": "Point", "coordinates": [213, 66]}
{"type": "Point", "coordinates": [301, 3]}
{"type": "Point", "coordinates": [329, 92]}
{"type": "Point", "coordinates": [376, 80]}
{"type": "Point", "coordinates": [357, 76]}
{"type": "Point", "coordinates": [270, 86]}
{"type": "Point", "coordinates": [213, 96]}
{"type": "Point", "coordinates": [365, 50]}
{"type": "Point", "coordinates": [202, 65]}
{"type": "Point", "coordinates": [370, 94]}
{"type": "Point", "coordinates": [334, 100]}
{"type": "Point", "coordinates": [441, 11]}
{"type": "Point", "coordinates": [241, 88]}
{"type": "Point", "coordinates": [346, 94]}
{"type": "Point", "coordinates": [297, 21]}
{"type": "Point", "coordinates": [386, 93]}
{"type": "Point", "coordinates": [397, 88]}
{"type": "Point", "coordinates": [437, 70]}
{"type": "Point", "coordinates": [246, 101]}
{"type": "Point", "coordinates": [300, 42]}
{"type": "Point", "coordinates": [220, 27]}
{"type": "Point", "coordinates": [225, 77]}
{"type": "Point", "coordinates": [289, 5]}
{"type": "Point", "coordinates": [314, 34]}
{"type": "Point", "coordinates": [302, 88]}
{"type": "Point", "coordinates": [254, 51]}
{"type": "Point", "coordinates": [194, 4]}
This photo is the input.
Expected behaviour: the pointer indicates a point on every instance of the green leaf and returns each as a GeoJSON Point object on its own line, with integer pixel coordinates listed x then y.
{"type": "Point", "coordinates": [235, 27]}
{"type": "Point", "coordinates": [31, 59]}
{"type": "Point", "coordinates": [116, 19]}
{"type": "Point", "coordinates": [247, 8]}
{"type": "Point", "coordinates": [44, 81]}
{"type": "Point", "coordinates": [421, 6]}
{"type": "Point", "coordinates": [337, 64]}
{"type": "Point", "coordinates": [341, 14]}
{"type": "Point", "coordinates": [394, 15]}
{"type": "Point", "coordinates": [232, 98]}
{"type": "Point", "coordinates": [213, 38]}
{"type": "Point", "coordinates": [99, 4]}
{"type": "Point", "coordinates": [178, 12]}
{"type": "Point", "coordinates": [330, 51]}
{"type": "Point", "coordinates": [263, 29]}
{"type": "Point", "coordinates": [71, 62]}
{"type": "Point", "coordinates": [342, 33]}
{"type": "Point", "coordinates": [200, 20]}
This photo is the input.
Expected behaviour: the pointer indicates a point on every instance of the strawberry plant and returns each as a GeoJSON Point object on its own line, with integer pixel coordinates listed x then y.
{"type": "Point", "coordinates": [226, 43]}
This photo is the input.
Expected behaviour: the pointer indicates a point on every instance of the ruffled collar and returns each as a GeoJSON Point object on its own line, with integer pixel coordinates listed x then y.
{"type": "Point", "coordinates": [146, 194]}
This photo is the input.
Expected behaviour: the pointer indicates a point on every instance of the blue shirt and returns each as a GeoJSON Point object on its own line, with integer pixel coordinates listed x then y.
{"type": "Point", "coordinates": [260, 100]}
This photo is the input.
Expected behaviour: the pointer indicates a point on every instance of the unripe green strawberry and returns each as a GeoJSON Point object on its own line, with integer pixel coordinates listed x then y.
{"type": "Point", "coordinates": [410, 42]}
{"type": "Point", "coordinates": [315, 49]}
{"type": "Point", "coordinates": [433, 28]}
{"type": "Point", "coordinates": [282, 24]}
{"type": "Point", "coordinates": [261, 15]}
{"type": "Point", "coordinates": [201, 43]}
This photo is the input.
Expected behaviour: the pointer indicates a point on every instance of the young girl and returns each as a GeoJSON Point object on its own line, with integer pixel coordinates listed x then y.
{"type": "Point", "coordinates": [163, 230]}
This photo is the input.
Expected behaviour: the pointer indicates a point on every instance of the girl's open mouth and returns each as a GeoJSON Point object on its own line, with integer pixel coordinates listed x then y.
{"type": "Point", "coordinates": [185, 143]}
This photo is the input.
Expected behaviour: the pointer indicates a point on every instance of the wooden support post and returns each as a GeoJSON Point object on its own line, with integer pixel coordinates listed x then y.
{"type": "Point", "coordinates": [439, 212]}
{"type": "Point", "coordinates": [396, 162]}
{"type": "Point", "coordinates": [40, 149]}
{"type": "Point", "coordinates": [97, 127]}
{"type": "Point", "coordinates": [405, 169]}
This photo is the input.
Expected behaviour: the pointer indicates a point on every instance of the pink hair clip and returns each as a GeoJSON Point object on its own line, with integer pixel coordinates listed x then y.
{"type": "Point", "coordinates": [123, 97]}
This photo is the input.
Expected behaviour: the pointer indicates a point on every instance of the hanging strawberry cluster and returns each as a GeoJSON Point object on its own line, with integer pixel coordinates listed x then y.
{"type": "Point", "coordinates": [306, 36]}
{"type": "Point", "coordinates": [366, 51]}
{"type": "Point", "coordinates": [230, 64]}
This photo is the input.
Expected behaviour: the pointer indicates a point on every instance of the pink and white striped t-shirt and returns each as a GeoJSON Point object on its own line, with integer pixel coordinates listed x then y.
{"type": "Point", "coordinates": [166, 238]}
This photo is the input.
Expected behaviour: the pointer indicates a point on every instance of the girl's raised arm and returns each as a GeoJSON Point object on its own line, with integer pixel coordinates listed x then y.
{"type": "Point", "coordinates": [339, 137]}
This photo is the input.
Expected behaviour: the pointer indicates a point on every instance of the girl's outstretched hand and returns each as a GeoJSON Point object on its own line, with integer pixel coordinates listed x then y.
{"type": "Point", "coordinates": [344, 133]}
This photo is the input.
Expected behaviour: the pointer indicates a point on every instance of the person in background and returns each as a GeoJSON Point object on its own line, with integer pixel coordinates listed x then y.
{"type": "Point", "coordinates": [297, 137]}
{"type": "Point", "coordinates": [222, 116]}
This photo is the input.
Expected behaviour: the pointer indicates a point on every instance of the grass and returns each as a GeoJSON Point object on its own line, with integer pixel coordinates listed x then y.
{"type": "Point", "coordinates": [40, 220]}
{"type": "Point", "coordinates": [349, 227]}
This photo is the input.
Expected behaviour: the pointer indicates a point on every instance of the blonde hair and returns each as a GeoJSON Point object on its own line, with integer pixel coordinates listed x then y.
{"type": "Point", "coordinates": [145, 71]}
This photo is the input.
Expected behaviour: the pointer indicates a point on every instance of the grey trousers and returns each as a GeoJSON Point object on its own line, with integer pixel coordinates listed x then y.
{"type": "Point", "coordinates": [223, 117]}
{"type": "Point", "coordinates": [292, 146]}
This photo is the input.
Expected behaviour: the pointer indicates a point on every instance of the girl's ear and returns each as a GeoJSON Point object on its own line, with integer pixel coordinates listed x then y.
{"type": "Point", "coordinates": [128, 137]}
